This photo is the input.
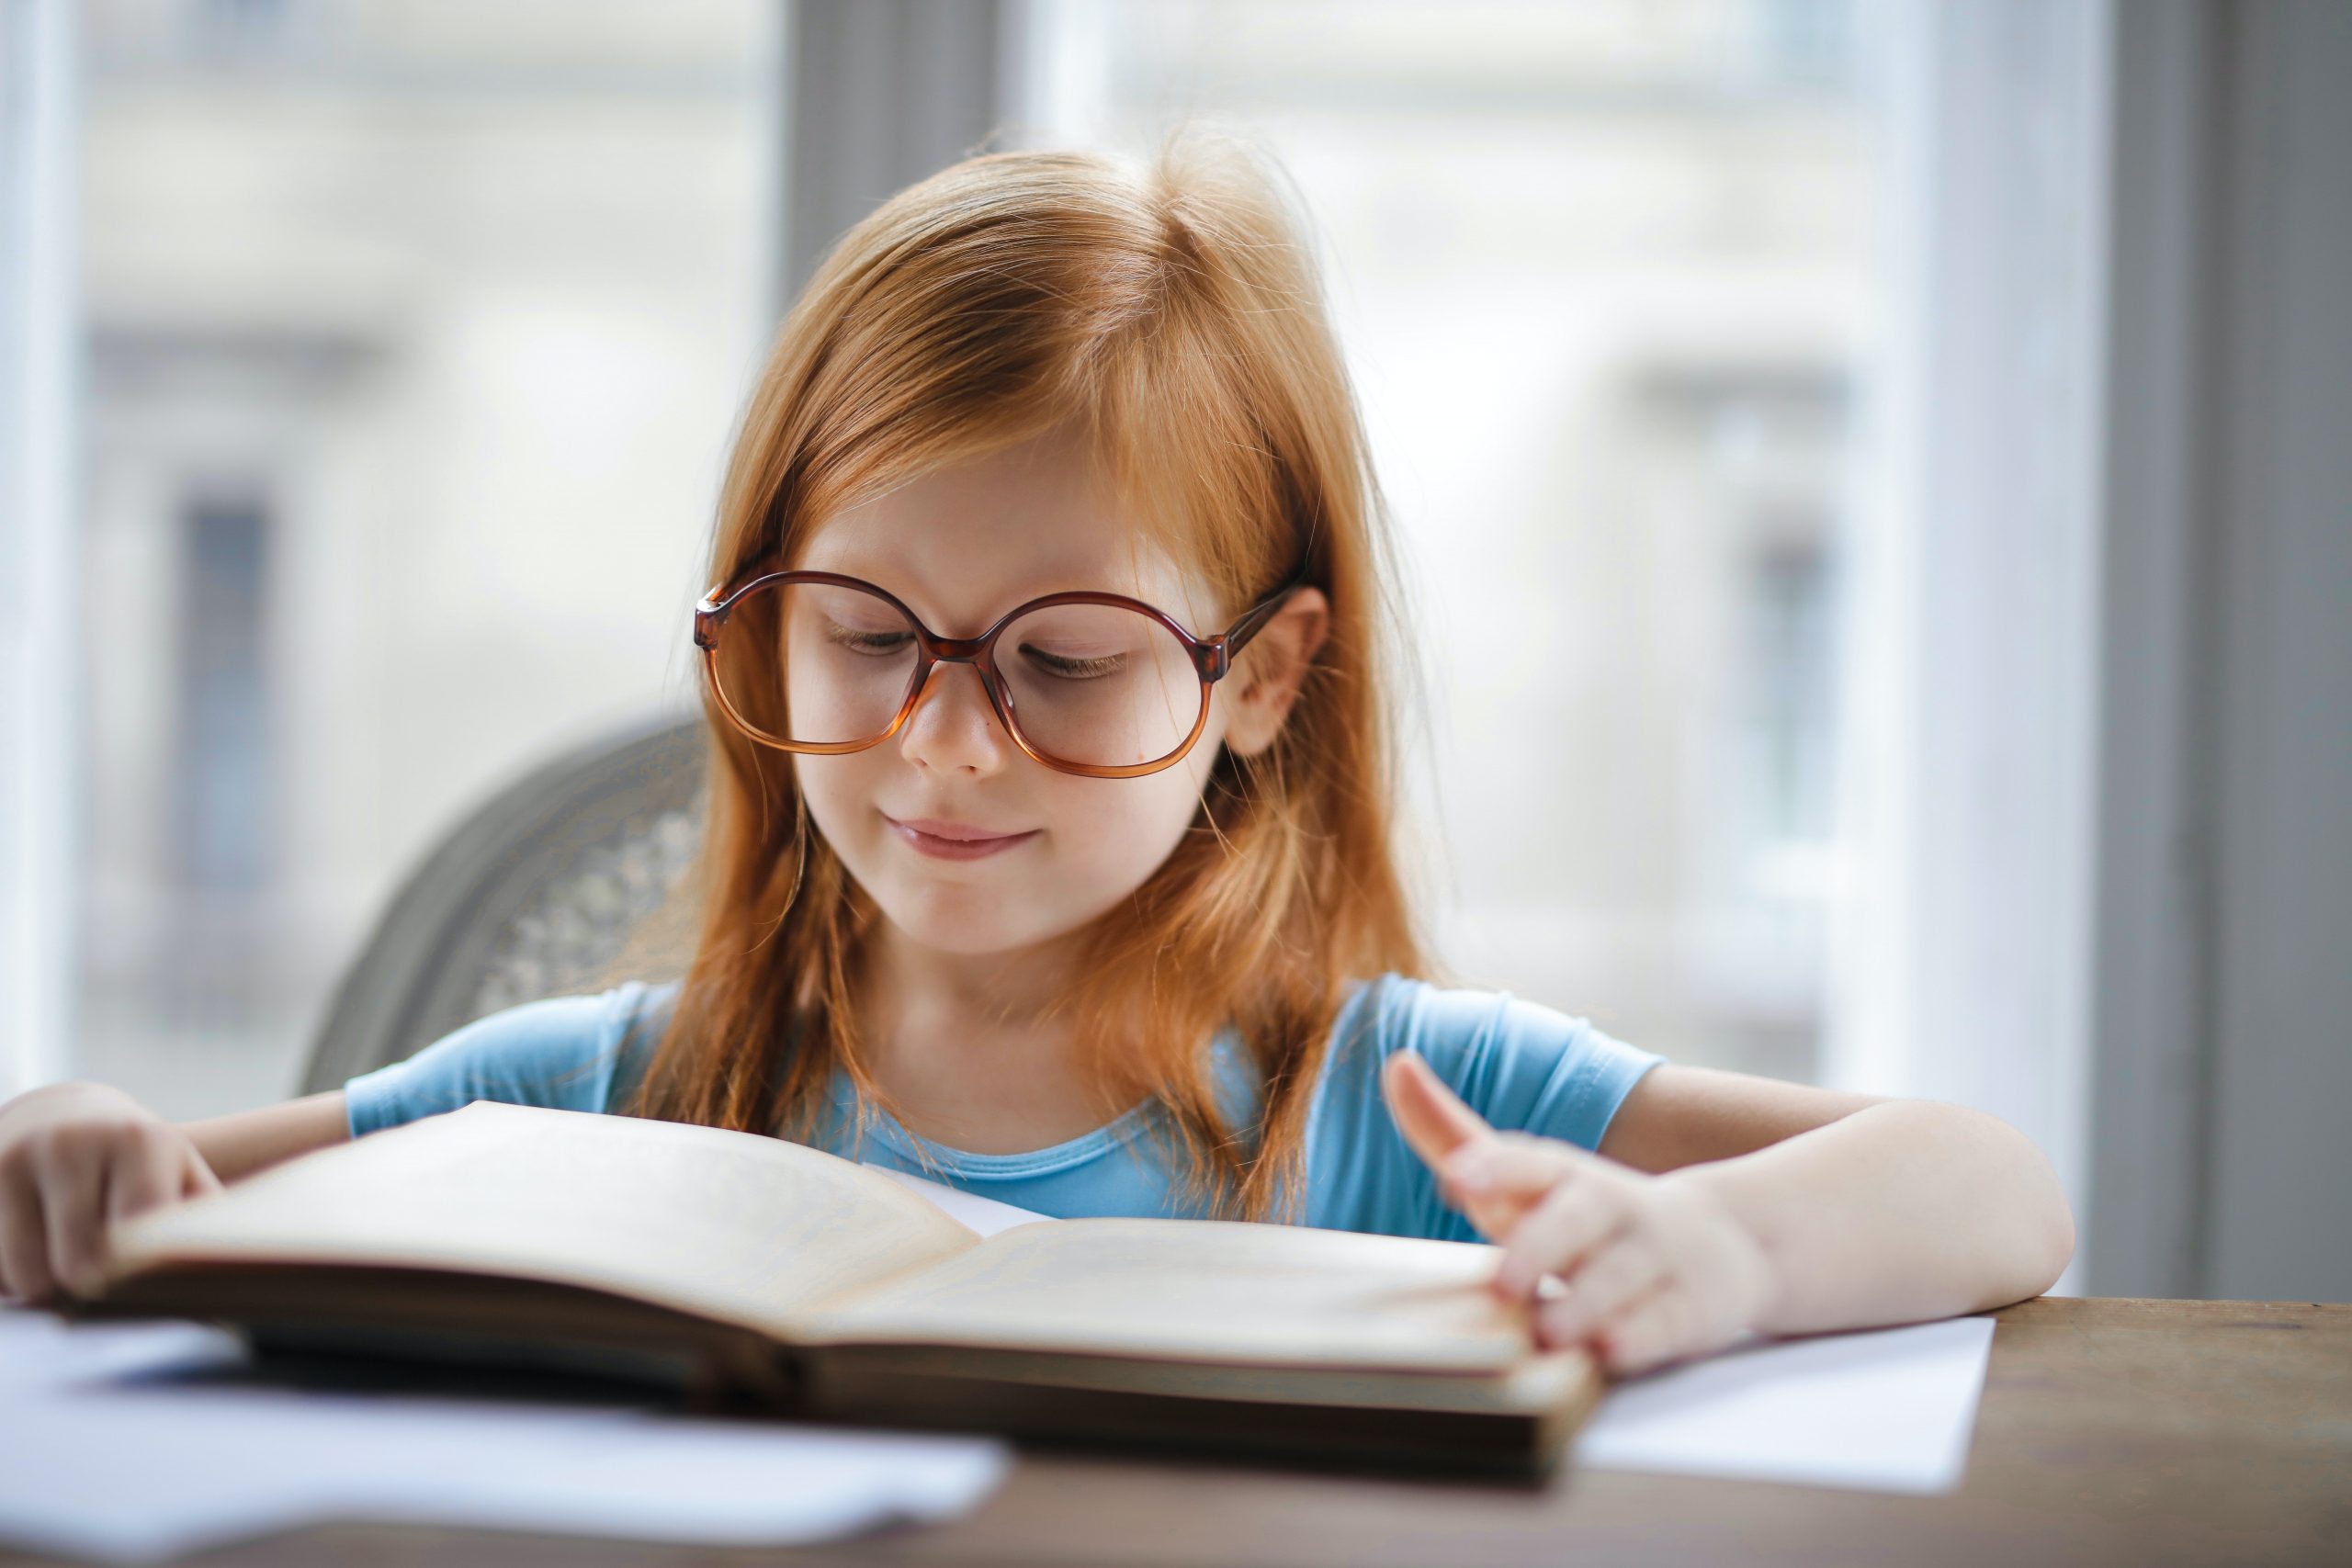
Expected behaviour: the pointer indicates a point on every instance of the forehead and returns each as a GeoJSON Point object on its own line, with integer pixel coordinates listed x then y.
{"type": "Point", "coordinates": [965, 544]}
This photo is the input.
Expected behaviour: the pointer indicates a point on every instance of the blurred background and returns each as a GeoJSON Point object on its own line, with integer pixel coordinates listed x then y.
{"type": "Point", "coordinates": [1870, 471]}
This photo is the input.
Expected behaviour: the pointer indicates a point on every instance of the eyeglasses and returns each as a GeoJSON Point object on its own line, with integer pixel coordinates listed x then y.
{"type": "Point", "coordinates": [1096, 684]}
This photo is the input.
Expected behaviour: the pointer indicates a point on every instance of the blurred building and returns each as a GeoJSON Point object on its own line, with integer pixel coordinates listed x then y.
{"type": "Point", "coordinates": [418, 333]}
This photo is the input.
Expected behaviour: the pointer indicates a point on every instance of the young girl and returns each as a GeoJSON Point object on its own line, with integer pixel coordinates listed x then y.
{"type": "Point", "coordinates": [1046, 670]}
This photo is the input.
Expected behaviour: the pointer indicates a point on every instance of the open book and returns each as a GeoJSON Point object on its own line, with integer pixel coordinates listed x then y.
{"type": "Point", "coordinates": [782, 1277]}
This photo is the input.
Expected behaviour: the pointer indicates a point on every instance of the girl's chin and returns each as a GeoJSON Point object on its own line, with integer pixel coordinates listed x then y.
{"type": "Point", "coordinates": [937, 919]}
{"type": "Point", "coordinates": [967, 927]}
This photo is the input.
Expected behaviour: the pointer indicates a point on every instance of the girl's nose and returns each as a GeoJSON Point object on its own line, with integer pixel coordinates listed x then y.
{"type": "Point", "coordinates": [954, 728]}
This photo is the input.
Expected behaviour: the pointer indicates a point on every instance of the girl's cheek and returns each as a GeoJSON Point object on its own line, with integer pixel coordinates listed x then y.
{"type": "Point", "coordinates": [1103, 853]}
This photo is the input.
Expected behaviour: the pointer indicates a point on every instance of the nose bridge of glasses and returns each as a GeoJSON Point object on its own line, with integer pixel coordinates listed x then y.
{"type": "Point", "coordinates": [949, 651]}
{"type": "Point", "coordinates": [956, 650]}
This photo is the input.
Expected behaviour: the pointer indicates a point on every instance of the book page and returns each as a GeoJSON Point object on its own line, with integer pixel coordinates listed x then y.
{"type": "Point", "coordinates": [728, 1226]}
{"type": "Point", "coordinates": [1203, 1289]}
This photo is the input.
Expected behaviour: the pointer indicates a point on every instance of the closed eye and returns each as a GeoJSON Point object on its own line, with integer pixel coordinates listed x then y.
{"type": "Point", "coordinates": [865, 642]}
{"type": "Point", "coordinates": [1070, 669]}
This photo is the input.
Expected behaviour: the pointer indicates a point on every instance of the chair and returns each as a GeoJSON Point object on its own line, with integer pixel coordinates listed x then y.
{"type": "Point", "coordinates": [543, 891]}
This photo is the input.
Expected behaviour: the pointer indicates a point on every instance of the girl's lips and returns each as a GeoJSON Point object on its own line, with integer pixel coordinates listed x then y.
{"type": "Point", "coordinates": [940, 848]}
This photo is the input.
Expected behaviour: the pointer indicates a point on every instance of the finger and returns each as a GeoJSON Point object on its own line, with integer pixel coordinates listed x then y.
{"type": "Point", "coordinates": [1650, 1330]}
{"type": "Point", "coordinates": [196, 1177]}
{"type": "Point", "coordinates": [1497, 1181]}
{"type": "Point", "coordinates": [24, 1243]}
{"type": "Point", "coordinates": [72, 1210]}
{"type": "Point", "coordinates": [1559, 1235]}
{"type": "Point", "coordinates": [1614, 1274]}
{"type": "Point", "coordinates": [1432, 1117]}
{"type": "Point", "coordinates": [1509, 1164]}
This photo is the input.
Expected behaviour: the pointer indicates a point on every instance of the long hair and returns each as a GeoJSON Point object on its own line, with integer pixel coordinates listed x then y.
{"type": "Point", "coordinates": [1170, 307]}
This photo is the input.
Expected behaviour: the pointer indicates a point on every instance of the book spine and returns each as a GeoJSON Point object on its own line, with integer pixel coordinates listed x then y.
{"type": "Point", "coordinates": [744, 1374]}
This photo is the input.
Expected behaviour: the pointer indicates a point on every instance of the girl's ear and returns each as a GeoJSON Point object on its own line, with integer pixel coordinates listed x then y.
{"type": "Point", "coordinates": [1272, 670]}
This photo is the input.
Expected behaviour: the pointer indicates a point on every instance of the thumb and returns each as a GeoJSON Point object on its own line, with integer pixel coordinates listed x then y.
{"type": "Point", "coordinates": [1438, 1126]}
{"type": "Point", "coordinates": [1432, 1117]}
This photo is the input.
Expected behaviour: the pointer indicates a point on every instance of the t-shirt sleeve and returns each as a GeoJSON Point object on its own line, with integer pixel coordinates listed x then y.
{"type": "Point", "coordinates": [566, 1052]}
{"type": "Point", "coordinates": [1523, 1065]}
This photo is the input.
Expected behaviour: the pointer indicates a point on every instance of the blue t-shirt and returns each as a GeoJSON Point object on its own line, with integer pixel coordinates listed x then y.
{"type": "Point", "coordinates": [1519, 1064]}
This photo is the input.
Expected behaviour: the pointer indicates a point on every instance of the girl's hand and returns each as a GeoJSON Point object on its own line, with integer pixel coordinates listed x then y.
{"type": "Point", "coordinates": [1655, 1268]}
{"type": "Point", "coordinates": [75, 1158]}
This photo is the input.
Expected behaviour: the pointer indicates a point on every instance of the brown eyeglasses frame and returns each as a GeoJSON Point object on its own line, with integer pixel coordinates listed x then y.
{"type": "Point", "coordinates": [1211, 661]}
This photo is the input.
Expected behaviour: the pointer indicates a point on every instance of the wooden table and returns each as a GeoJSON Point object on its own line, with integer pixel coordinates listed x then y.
{"type": "Point", "coordinates": [2111, 1431]}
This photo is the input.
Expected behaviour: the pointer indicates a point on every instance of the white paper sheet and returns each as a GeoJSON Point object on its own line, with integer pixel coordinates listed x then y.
{"type": "Point", "coordinates": [101, 1459]}
{"type": "Point", "coordinates": [985, 1215]}
{"type": "Point", "coordinates": [1881, 1409]}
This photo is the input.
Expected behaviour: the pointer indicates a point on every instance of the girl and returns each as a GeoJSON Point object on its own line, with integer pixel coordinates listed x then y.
{"type": "Point", "coordinates": [1046, 670]}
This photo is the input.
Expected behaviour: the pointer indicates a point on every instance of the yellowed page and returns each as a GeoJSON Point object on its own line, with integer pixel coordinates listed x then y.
{"type": "Point", "coordinates": [1201, 1289]}
{"type": "Point", "coordinates": [731, 1225]}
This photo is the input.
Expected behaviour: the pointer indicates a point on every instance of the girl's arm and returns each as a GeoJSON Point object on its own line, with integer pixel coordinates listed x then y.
{"type": "Point", "coordinates": [238, 1144]}
{"type": "Point", "coordinates": [76, 1156]}
{"type": "Point", "coordinates": [1903, 1211]}
{"type": "Point", "coordinates": [1744, 1203]}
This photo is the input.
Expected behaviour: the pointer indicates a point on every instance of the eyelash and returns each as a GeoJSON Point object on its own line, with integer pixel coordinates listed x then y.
{"type": "Point", "coordinates": [856, 640]}
{"type": "Point", "coordinates": [1080, 669]}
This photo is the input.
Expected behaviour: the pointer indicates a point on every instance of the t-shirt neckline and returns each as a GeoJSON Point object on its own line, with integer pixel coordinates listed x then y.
{"type": "Point", "coordinates": [909, 1144]}
{"type": "Point", "coordinates": [1122, 1130]}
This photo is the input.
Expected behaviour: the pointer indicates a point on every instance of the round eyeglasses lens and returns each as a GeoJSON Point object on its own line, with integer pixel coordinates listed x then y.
{"type": "Point", "coordinates": [1100, 685]}
{"type": "Point", "coordinates": [815, 663]}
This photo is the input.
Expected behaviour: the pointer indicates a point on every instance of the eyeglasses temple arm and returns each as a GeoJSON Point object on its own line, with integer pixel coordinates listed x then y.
{"type": "Point", "coordinates": [1238, 636]}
